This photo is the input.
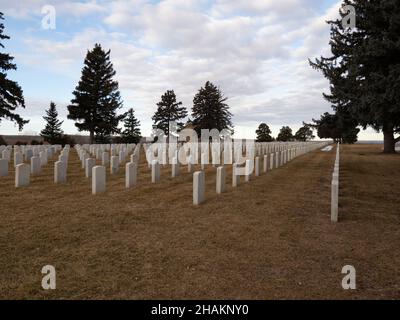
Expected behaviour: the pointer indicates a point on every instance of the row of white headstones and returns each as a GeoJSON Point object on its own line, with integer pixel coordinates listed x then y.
{"type": "Point", "coordinates": [273, 156]}
{"type": "Point", "coordinates": [27, 160]}
{"type": "Point", "coordinates": [282, 155]}
{"type": "Point", "coordinates": [335, 188]}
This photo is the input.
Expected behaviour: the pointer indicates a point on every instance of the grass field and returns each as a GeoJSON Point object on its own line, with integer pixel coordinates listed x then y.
{"type": "Point", "coordinates": [267, 239]}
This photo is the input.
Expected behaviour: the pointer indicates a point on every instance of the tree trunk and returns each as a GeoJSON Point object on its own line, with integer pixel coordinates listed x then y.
{"type": "Point", "coordinates": [91, 137]}
{"type": "Point", "coordinates": [389, 142]}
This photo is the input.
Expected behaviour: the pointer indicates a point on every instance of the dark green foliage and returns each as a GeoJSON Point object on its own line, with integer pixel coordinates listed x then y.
{"type": "Point", "coordinates": [340, 127]}
{"type": "Point", "coordinates": [67, 139]}
{"type": "Point", "coordinates": [305, 133]}
{"type": "Point", "coordinates": [210, 110]}
{"type": "Point", "coordinates": [11, 95]}
{"type": "Point", "coordinates": [52, 133]}
{"type": "Point", "coordinates": [131, 133]}
{"type": "Point", "coordinates": [169, 110]}
{"type": "Point", "coordinates": [97, 98]}
{"type": "Point", "coordinates": [285, 134]}
{"type": "Point", "coordinates": [364, 69]}
{"type": "Point", "coordinates": [264, 133]}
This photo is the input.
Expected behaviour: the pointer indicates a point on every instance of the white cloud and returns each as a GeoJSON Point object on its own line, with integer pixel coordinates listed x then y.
{"type": "Point", "coordinates": [29, 9]}
{"type": "Point", "coordinates": [256, 51]}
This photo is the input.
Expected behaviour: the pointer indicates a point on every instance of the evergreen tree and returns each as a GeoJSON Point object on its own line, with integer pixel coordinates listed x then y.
{"type": "Point", "coordinates": [169, 110]}
{"type": "Point", "coordinates": [264, 133]}
{"type": "Point", "coordinates": [365, 67]}
{"type": "Point", "coordinates": [11, 95]}
{"type": "Point", "coordinates": [52, 133]}
{"type": "Point", "coordinates": [305, 133]}
{"type": "Point", "coordinates": [285, 134]}
{"type": "Point", "coordinates": [210, 110]}
{"type": "Point", "coordinates": [340, 127]}
{"type": "Point", "coordinates": [97, 98]}
{"type": "Point", "coordinates": [132, 133]}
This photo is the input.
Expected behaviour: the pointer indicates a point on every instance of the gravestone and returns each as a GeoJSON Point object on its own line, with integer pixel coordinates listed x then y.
{"type": "Point", "coordinates": [271, 161]}
{"type": "Point", "coordinates": [18, 158]}
{"type": "Point", "coordinates": [121, 157]}
{"type": "Point", "coordinates": [235, 176]}
{"type": "Point", "coordinates": [189, 164]}
{"type": "Point", "coordinates": [175, 168]}
{"type": "Point", "coordinates": [22, 175]}
{"type": "Point", "coordinates": [90, 163]}
{"type": "Point", "coordinates": [257, 166]}
{"type": "Point", "coordinates": [334, 200]}
{"type": "Point", "coordinates": [155, 171]}
{"type": "Point", "coordinates": [35, 165]}
{"type": "Point", "coordinates": [5, 154]}
{"type": "Point", "coordinates": [277, 158]}
{"type": "Point", "coordinates": [198, 187]}
{"type": "Point", "coordinates": [43, 158]}
{"type": "Point", "coordinates": [265, 164]}
{"type": "Point", "coordinates": [84, 157]}
{"type": "Point", "coordinates": [247, 170]}
{"type": "Point", "coordinates": [28, 155]}
{"type": "Point", "coordinates": [98, 179]}
{"type": "Point", "coordinates": [130, 174]}
{"type": "Point", "coordinates": [60, 172]}
{"type": "Point", "coordinates": [203, 159]}
{"type": "Point", "coordinates": [221, 176]}
{"type": "Point", "coordinates": [114, 165]}
{"type": "Point", "coordinates": [105, 159]}
{"type": "Point", "coordinates": [63, 158]}
{"type": "Point", "coordinates": [3, 167]}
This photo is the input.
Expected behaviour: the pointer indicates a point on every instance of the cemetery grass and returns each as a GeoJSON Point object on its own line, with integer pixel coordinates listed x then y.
{"type": "Point", "coordinates": [269, 239]}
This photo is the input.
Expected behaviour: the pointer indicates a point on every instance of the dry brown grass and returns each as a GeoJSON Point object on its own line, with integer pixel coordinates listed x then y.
{"type": "Point", "coordinates": [271, 238]}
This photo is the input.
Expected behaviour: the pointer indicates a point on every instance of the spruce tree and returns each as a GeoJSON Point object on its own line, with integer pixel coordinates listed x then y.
{"type": "Point", "coordinates": [264, 133]}
{"type": "Point", "coordinates": [97, 98]}
{"type": "Point", "coordinates": [52, 133]}
{"type": "Point", "coordinates": [210, 110]}
{"type": "Point", "coordinates": [131, 133]}
{"type": "Point", "coordinates": [11, 95]}
{"type": "Point", "coordinates": [169, 110]}
{"type": "Point", "coordinates": [364, 67]}
{"type": "Point", "coordinates": [340, 127]}
{"type": "Point", "coordinates": [285, 134]}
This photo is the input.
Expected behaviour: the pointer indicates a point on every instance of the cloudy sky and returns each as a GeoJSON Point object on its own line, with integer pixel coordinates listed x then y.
{"type": "Point", "coordinates": [256, 51]}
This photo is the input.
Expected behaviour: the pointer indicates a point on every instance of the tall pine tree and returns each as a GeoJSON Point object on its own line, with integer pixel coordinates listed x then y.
{"type": "Point", "coordinates": [11, 95]}
{"type": "Point", "coordinates": [131, 133]}
{"type": "Point", "coordinates": [97, 98]}
{"type": "Point", "coordinates": [169, 110]}
{"type": "Point", "coordinates": [364, 68]}
{"type": "Point", "coordinates": [52, 133]}
{"type": "Point", "coordinates": [210, 110]}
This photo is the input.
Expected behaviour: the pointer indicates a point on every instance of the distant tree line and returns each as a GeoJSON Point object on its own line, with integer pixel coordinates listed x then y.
{"type": "Point", "coordinates": [305, 133]}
